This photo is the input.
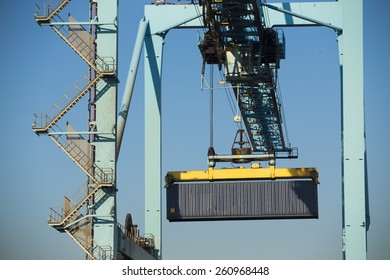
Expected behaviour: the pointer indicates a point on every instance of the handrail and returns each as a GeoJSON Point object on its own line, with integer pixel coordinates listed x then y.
{"type": "Point", "coordinates": [94, 251]}
{"type": "Point", "coordinates": [56, 215]}
{"type": "Point", "coordinates": [76, 91]}
{"type": "Point", "coordinates": [79, 194]}
{"type": "Point", "coordinates": [49, 9]}
{"type": "Point", "coordinates": [101, 252]}
{"type": "Point", "coordinates": [83, 49]}
{"type": "Point", "coordinates": [101, 176]}
{"type": "Point", "coordinates": [78, 199]}
{"type": "Point", "coordinates": [147, 240]}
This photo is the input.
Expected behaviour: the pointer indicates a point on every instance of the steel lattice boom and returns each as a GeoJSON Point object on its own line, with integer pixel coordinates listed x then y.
{"type": "Point", "coordinates": [238, 39]}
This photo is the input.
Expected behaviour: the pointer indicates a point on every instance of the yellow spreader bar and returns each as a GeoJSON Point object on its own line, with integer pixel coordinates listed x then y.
{"type": "Point", "coordinates": [231, 174]}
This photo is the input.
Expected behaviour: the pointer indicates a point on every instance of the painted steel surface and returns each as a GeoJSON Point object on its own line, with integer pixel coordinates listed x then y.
{"type": "Point", "coordinates": [234, 174]}
{"type": "Point", "coordinates": [213, 201]}
{"type": "Point", "coordinates": [251, 54]}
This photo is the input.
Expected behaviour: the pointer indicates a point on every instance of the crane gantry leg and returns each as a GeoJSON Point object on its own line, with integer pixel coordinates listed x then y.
{"type": "Point", "coordinates": [105, 229]}
{"type": "Point", "coordinates": [153, 58]}
{"type": "Point", "coordinates": [346, 18]}
{"type": "Point", "coordinates": [161, 19]}
{"type": "Point", "coordinates": [356, 218]}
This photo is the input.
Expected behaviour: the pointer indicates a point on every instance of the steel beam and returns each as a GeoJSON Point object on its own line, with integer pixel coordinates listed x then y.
{"type": "Point", "coordinates": [105, 230]}
{"type": "Point", "coordinates": [153, 64]}
{"type": "Point", "coordinates": [300, 19]}
{"type": "Point", "coordinates": [161, 18]}
{"type": "Point", "coordinates": [128, 92]}
{"type": "Point", "coordinates": [234, 174]}
{"type": "Point", "coordinates": [347, 15]}
{"type": "Point", "coordinates": [355, 201]}
{"type": "Point", "coordinates": [328, 14]}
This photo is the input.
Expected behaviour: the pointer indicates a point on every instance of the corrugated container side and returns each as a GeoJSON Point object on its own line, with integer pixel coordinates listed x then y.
{"type": "Point", "coordinates": [242, 200]}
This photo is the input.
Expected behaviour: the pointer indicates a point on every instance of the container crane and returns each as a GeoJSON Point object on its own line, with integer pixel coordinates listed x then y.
{"type": "Point", "coordinates": [345, 18]}
{"type": "Point", "coordinates": [238, 41]}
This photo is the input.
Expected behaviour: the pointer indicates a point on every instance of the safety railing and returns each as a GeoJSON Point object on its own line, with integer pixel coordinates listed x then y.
{"type": "Point", "coordinates": [75, 36]}
{"type": "Point", "coordinates": [49, 9]}
{"type": "Point", "coordinates": [101, 176]}
{"type": "Point", "coordinates": [72, 150]}
{"type": "Point", "coordinates": [105, 65]}
{"type": "Point", "coordinates": [101, 252]}
{"type": "Point", "coordinates": [126, 232]}
{"type": "Point", "coordinates": [79, 195]}
{"type": "Point", "coordinates": [41, 120]}
{"type": "Point", "coordinates": [63, 104]}
{"type": "Point", "coordinates": [74, 203]}
{"type": "Point", "coordinates": [146, 241]}
{"type": "Point", "coordinates": [105, 175]}
{"type": "Point", "coordinates": [58, 214]}
{"type": "Point", "coordinates": [55, 215]}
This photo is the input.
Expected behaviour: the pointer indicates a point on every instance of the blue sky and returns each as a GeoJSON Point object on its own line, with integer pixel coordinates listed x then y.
{"type": "Point", "coordinates": [37, 68]}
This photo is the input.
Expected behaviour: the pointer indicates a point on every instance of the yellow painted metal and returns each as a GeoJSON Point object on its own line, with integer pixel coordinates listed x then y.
{"type": "Point", "coordinates": [241, 173]}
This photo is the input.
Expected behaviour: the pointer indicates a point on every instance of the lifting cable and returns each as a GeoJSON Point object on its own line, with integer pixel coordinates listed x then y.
{"type": "Point", "coordinates": [230, 98]}
{"type": "Point", "coordinates": [212, 105]}
{"type": "Point", "coordinates": [199, 13]}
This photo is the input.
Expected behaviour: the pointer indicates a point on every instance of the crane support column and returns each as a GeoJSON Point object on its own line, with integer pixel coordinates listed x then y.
{"type": "Point", "coordinates": [105, 224]}
{"type": "Point", "coordinates": [161, 18]}
{"type": "Point", "coordinates": [346, 18]}
{"type": "Point", "coordinates": [355, 200]}
{"type": "Point", "coordinates": [153, 64]}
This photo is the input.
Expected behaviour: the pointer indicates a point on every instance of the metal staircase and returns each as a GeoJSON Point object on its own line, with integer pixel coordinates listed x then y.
{"type": "Point", "coordinates": [71, 218]}
{"type": "Point", "coordinates": [82, 159]}
{"type": "Point", "coordinates": [43, 122]}
{"type": "Point", "coordinates": [103, 67]}
{"type": "Point", "coordinates": [46, 11]}
{"type": "Point", "coordinates": [79, 39]}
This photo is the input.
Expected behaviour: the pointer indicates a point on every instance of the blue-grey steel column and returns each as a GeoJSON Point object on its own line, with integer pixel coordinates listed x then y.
{"type": "Point", "coordinates": [353, 132]}
{"type": "Point", "coordinates": [153, 173]}
{"type": "Point", "coordinates": [348, 16]}
{"type": "Point", "coordinates": [162, 18]}
{"type": "Point", "coordinates": [105, 223]}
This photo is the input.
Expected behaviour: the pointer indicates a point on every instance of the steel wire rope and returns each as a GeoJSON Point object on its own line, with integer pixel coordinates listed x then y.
{"type": "Point", "coordinates": [199, 13]}
{"type": "Point", "coordinates": [212, 105]}
{"type": "Point", "coordinates": [228, 94]}
{"type": "Point", "coordinates": [204, 29]}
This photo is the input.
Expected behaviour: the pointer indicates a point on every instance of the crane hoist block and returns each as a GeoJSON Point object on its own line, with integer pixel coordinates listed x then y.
{"type": "Point", "coordinates": [242, 200]}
